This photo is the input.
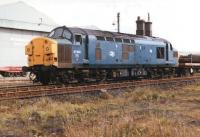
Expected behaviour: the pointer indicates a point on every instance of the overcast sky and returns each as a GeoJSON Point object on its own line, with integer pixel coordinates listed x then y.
{"type": "Point", "coordinates": [175, 20]}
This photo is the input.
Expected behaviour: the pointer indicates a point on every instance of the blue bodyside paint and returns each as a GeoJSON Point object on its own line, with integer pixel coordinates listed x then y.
{"type": "Point", "coordinates": [144, 53]}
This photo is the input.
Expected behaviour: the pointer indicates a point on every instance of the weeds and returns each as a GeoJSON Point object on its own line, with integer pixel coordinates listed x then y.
{"type": "Point", "coordinates": [142, 112]}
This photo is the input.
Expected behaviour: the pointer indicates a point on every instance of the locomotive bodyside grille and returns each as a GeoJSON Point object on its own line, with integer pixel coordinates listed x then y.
{"type": "Point", "coordinates": [64, 56]}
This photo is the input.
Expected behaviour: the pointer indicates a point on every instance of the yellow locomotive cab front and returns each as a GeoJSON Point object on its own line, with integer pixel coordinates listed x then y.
{"type": "Point", "coordinates": [42, 51]}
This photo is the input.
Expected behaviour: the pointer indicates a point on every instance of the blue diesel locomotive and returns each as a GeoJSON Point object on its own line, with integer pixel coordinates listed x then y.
{"type": "Point", "coordinates": [76, 53]}
{"type": "Point", "coordinates": [69, 54]}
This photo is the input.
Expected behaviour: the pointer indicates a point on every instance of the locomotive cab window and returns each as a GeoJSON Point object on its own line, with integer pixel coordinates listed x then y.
{"type": "Point", "coordinates": [60, 33]}
{"type": "Point", "coordinates": [78, 39]}
{"type": "Point", "coordinates": [57, 33]}
{"type": "Point", "coordinates": [67, 34]}
{"type": "Point", "coordinates": [160, 52]}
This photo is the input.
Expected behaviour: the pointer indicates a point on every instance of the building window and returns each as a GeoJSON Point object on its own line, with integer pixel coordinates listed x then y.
{"type": "Point", "coordinates": [160, 52]}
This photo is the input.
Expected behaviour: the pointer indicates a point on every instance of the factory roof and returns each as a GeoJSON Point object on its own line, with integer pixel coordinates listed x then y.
{"type": "Point", "coordinates": [20, 15]}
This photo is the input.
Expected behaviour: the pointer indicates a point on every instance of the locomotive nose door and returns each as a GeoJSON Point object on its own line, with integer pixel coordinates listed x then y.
{"type": "Point", "coordinates": [86, 42]}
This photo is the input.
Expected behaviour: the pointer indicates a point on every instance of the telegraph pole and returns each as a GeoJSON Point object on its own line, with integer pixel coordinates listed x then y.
{"type": "Point", "coordinates": [118, 22]}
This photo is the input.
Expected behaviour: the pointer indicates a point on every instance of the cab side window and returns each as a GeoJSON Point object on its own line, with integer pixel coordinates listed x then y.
{"type": "Point", "coordinates": [78, 39]}
{"type": "Point", "coordinates": [160, 52]}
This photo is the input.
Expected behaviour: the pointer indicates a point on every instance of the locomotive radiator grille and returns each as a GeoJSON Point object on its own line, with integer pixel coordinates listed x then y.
{"type": "Point", "coordinates": [64, 56]}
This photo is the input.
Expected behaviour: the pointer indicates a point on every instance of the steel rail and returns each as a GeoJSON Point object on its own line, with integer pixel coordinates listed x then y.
{"type": "Point", "coordinates": [40, 91]}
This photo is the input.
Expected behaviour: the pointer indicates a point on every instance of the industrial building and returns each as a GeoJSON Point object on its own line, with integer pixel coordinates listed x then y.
{"type": "Point", "coordinates": [19, 23]}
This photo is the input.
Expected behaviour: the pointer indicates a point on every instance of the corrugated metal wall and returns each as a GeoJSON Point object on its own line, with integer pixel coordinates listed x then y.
{"type": "Point", "coordinates": [12, 44]}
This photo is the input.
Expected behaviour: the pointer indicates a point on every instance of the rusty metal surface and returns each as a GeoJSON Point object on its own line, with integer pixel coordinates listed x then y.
{"type": "Point", "coordinates": [189, 65]}
{"type": "Point", "coordinates": [98, 53]}
{"type": "Point", "coordinates": [189, 59]}
{"type": "Point", "coordinates": [125, 51]}
{"type": "Point", "coordinates": [39, 91]}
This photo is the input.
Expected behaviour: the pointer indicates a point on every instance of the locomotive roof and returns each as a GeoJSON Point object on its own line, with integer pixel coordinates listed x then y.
{"type": "Point", "coordinates": [102, 33]}
{"type": "Point", "coordinates": [136, 38]}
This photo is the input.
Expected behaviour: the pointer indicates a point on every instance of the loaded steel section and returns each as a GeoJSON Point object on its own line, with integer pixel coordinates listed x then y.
{"type": "Point", "coordinates": [40, 91]}
{"type": "Point", "coordinates": [12, 71]}
{"type": "Point", "coordinates": [13, 81]}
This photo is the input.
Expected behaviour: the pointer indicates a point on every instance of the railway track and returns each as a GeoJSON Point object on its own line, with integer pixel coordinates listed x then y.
{"type": "Point", "coordinates": [14, 81]}
{"type": "Point", "coordinates": [23, 92]}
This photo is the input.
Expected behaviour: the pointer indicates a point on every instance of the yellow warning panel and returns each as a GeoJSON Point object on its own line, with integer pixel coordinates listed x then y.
{"type": "Point", "coordinates": [30, 60]}
{"type": "Point", "coordinates": [48, 59]}
{"type": "Point", "coordinates": [38, 59]}
{"type": "Point", "coordinates": [47, 49]}
{"type": "Point", "coordinates": [28, 49]}
{"type": "Point", "coordinates": [41, 51]}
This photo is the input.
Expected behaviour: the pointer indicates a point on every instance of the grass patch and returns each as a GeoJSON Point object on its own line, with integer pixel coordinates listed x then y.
{"type": "Point", "coordinates": [141, 112]}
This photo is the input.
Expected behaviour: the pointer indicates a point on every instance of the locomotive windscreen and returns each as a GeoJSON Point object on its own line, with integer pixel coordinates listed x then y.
{"type": "Point", "coordinates": [60, 33]}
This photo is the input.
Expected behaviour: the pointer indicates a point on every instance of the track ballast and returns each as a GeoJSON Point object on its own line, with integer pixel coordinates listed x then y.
{"type": "Point", "coordinates": [51, 90]}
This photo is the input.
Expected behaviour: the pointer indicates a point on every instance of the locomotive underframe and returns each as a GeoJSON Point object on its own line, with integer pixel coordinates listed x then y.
{"type": "Point", "coordinates": [52, 74]}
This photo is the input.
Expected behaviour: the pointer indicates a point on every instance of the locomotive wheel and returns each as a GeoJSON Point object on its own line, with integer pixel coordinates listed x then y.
{"type": "Point", "coordinates": [32, 77]}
